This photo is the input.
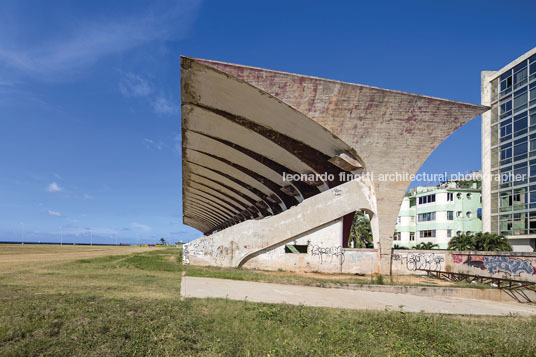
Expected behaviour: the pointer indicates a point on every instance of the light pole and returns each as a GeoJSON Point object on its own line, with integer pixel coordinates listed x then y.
{"type": "Point", "coordinates": [61, 235]}
{"type": "Point", "coordinates": [22, 233]}
{"type": "Point", "coordinates": [91, 233]}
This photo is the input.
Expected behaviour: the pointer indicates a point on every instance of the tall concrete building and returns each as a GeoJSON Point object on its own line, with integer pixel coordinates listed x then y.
{"type": "Point", "coordinates": [509, 151]}
{"type": "Point", "coordinates": [436, 214]}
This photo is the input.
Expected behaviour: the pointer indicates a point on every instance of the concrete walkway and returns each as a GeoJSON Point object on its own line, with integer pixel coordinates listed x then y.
{"type": "Point", "coordinates": [344, 298]}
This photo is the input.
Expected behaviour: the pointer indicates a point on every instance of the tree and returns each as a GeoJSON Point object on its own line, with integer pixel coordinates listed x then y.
{"type": "Point", "coordinates": [426, 246]}
{"type": "Point", "coordinates": [162, 241]}
{"type": "Point", "coordinates": [480, 242]}
{"type": "Point", "coordinates": [361, 233]}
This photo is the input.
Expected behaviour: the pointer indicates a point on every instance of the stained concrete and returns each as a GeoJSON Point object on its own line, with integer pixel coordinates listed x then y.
{"type": "Point", "coordinates": [346, 299]}
{"type": "Point", "coordinates": [250, 125]}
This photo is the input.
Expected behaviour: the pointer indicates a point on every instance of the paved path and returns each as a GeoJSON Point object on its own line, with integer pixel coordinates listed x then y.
{"type": "Point", "coordinates": [344, 298]}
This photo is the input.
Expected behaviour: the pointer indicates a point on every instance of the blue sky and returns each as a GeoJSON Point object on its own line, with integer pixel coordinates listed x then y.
{"type": "Point", "coordinates": [89, 92]}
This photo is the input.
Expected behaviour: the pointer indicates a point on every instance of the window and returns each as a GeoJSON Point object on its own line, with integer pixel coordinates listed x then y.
{"type": "Point", "coordinates": [468, 214]}
{"type": "Point", "coordinates": [411, 236]}
{"type": "Point", "coordinates": [469, 196]}
{"type": "Point", "coordinates": [506, 154]}
{"type": "Point", "coordinates": [520, 148]}
{"type": "Point", "coordinates": [450, 196]}
{"type": "Point", "coordinates": [426, 199]}
{"type": "Point", "coordinates": [397, 236]}
{"type": "Point", "coordinates": [459, 233]}
{"type": "Point", "coordinates": [450, 215]}
{"type": "Point", "coordinates": [506, 130]}
{"type": "Point", "coordinates": [426, 217]}
{"type": "Point", "coordinates": [506, 109]}
{"type": "Point", "coordinates": [520, 99]}
{"type": "Point", "coordinates": [520, 75]}
{"type": "Point", "coordinates": [295, 248]}
{"type": "Point", "coordinates": [520, 124]}
{"type": "Point", "coordinates": [459, 196]}
{"type": "Point", "coordinates": [449, 233]}
{"type": "Point", "coordinates": [427, 233]}
{"type": "Point", "coordinates": [412, 219]}
{"type": "Point", "coordinates": [468, 233]}
{"type": "Point", "coordinates": [459, 214]}
{"type": "Point", "coordinates": [533, 92]}
{"type": "Point", "coordinates": [398, 220]}
{"type": "Point", "coordinates": [506, 83]}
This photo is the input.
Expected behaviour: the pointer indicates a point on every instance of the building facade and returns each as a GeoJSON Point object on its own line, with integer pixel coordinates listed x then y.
{"type": "Point", "coordinates": [436, 214]}
{"type": "Point", "coordinates": [509, 151]}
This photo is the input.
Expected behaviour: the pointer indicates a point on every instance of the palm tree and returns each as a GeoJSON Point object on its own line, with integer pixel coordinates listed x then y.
{"type": "Point", "coordinates": [426, 246]}
{"type": "Point", "coordinates": [480, 242]}
{"type": "Point", "coordinates": [361, 233]}
{"type": "Point", "coordinates": [461, 242]}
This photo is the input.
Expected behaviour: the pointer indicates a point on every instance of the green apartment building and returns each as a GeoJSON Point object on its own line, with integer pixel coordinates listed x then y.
{"type": "Point", "coordinates": [436, 214]}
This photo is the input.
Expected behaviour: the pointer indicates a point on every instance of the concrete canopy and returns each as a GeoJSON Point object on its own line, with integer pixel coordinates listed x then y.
{"type": "Point", "coordinates": [243, 128]}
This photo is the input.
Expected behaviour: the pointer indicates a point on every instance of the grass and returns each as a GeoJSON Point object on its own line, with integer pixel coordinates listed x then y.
{"type": "Point", "coordinates": [320, 280]}
{"type": "Point", "coordinates": [129, 304]}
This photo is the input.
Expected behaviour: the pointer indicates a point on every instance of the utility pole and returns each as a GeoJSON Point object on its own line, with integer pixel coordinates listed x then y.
{"type": "Point", "coordinates": [61, 235]}
{"type": "Point", "coordinates": [22, 233]}
{"type": "Point", "coordinates": [91, 233]}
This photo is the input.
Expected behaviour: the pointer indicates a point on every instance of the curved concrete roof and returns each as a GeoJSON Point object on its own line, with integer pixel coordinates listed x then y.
{"type": "Point", "coordinates": [244, 127]}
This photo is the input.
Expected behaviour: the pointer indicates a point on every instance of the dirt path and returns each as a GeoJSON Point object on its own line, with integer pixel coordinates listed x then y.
{"type": "Point", "coordinates": [347, 299]}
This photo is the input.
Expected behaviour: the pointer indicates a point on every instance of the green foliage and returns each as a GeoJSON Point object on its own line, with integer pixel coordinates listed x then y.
{"type": "Point", "coordinates": [397, 246]}
{"type": "Point", "coordinates": [379, 280]}
{"type": "Point", "coordinates": [361, 233]}
{"type": "Point", "coordinates": [426, 246]}
{"type": "Point", "coordinates": [480, 242]}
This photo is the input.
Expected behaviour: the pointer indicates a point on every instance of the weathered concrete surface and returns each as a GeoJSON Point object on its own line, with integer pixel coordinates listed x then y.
{"type": "Point", "coordinates": [391, 131]}
{"type": "Point", "coordinates": [343, 298]}
{"type": "Point", "coordinates": [235, 245]}
{"type": "Point", "coordinates": [251, 125]}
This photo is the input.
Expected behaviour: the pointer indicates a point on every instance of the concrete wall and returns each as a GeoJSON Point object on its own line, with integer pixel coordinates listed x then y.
{"type": "Point", "coordinates": [326, 255]}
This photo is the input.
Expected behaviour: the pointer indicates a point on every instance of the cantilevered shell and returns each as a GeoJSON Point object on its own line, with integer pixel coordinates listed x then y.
{"type": "Point", "coordinates": [244, 127]}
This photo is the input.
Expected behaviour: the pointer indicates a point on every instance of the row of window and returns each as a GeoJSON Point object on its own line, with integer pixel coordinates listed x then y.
{"type": "Point", "coordinates": [517, 125]}
{"type": "Point", "coordinates": [427, 199]}
{"type": "Point", "coordinates": [518, 76]}
{"type": "Point", "coordinates": [429, 233]}
{"type": "Point", "coordinates": [450, 197]}
{"type": "Point", "coordinates": [431, 216]}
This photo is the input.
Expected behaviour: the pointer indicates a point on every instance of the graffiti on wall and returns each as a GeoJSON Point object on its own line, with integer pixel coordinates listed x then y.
{"type": "Point", "coordinates": [199, 247]}
{"type": "Point", "coordinates": [420, 261]}
{"type": "Point", "coordinates": [496, 264]}
{"type": "Point", "coordinates": [327, 254]}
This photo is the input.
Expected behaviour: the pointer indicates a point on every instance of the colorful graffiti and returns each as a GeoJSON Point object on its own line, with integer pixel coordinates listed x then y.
{"type": "Point", "coordinates": [496, 264]}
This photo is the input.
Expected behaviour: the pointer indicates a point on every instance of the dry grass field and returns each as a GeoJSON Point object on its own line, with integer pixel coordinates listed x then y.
{"type": "Point", "coordinates": [101, 301]}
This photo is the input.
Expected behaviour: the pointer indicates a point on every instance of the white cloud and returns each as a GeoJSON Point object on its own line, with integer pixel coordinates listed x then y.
{"type": "Point", "coordinates": [54, 213]}
{"type": "Point", "coordinates": [162, 105]}
{"type": "Point", "coordinates": [87, 197]}
{"type": "Point", "coordinates": [153, 145]}
{"type": "Point", "coordinates": [133, 85]}
{"type": "Point", "coordinates": [54, 187]}
{"type": "Point", "coordinates": [52, 54]}
{"type": "Point", "coordinates": [141, 227]}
